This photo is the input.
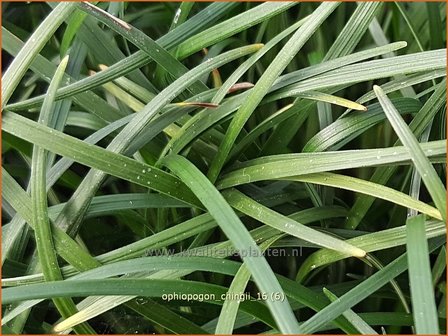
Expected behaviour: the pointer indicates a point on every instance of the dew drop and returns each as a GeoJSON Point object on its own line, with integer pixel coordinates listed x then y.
{"type": "Point", "coordinates": [177, 15]}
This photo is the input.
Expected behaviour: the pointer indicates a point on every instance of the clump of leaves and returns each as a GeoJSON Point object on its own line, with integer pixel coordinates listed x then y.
{"type": "Point", "coordinates": [196, 168]}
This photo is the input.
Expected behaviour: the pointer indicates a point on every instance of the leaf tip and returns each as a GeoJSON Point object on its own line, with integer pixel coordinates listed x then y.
{"type": "Point", "coordinates": [59, 328]}
{"type": "Point", "coordinates": [327, 293]}
{"type": "Point", "coordinates": [359, 253]}
{"type": "Point", "coordinates": [64, 61]}
{"type": "Point", "coordinates": [363, 108]}
{"type": "Point", "coordinates": [377, 89]}
{"type": "Point", "coordinates": [240, 86]}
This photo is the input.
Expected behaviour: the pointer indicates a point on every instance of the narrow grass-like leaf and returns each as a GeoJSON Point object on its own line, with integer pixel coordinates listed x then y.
{"type": "Point", "coordinates": [270, 122]}
{"type": "Point", "coordinates": [109, 204]}
{"type": "Point", "coordinates": [360, 292]}
{"type": "Point", "coordinates": [94, 156]}
{"type": "Point", "coordinates": [398, 84]}
{"type": "Point", "coordinates": [383, 174]}
{"type": "Point", "coordinates": [144, 264]}
{"type": "Point", "coordinates": [230, 27]}
{"type": "Point", "coordinates": [81, 198]}
{"type": "Point", "coordinates": [369, 242]}
{"type": "Point", "coordinates": [33, 302]}
{"type": "Point", "coordinates": [353, 31]}
{"type": "Point", "coordinates": [206, 119]}
{"type": "Point", "coordinates": [282, 223]}
{"type": "Point", "coordinates": [197, 225]}
{"type": "Point", "coordinates": [439, 266]}
{"type": "Point", "coordinates": [421, 162]}
{"type": "Point", "coordinates": [327, 98]}
{"type": "Point", "coordinates": [16, 227]}
{"type": "Point", "coordinates": [346, 129]}
{"type": "Point", "coordinates": [73, 25]}
{"type": "Point", "coordinates": [380, 38]}
{"type": "Point", "coordinates": [143, 42]}
{"type": "Point", "coordinates": [266, 81]}
{"type": "Point", "coordinates": [435, 25]}
{"type": "Point", "coordinates": [300, 163]}
{"type": "Point", "coordinates": [71, 216]}
{"type": "Point", "coordinates": [229, 309]}
{"type": "Point", "coordinates": [409, 23]}
{"type": "Point", "coordinates": [131, 87]}
{"type": "Point", "coordinates": [278, 166]}
{"type": "Point", "coordinates": [63, 244]}
{"type": "Point", "coordinates": [300, 293]}
{"type": "Point", "coordinates": [422, 293]}
{"type": "Point", "coordinates": [240, 237]}
{"type": "Point", "coordinates": [369, 188]}
{"type": "Point", "coordinates": [152, 288]}
{"type": "Point", "coordinates": [201, 121]}
{"type": "Point", "coordinates": [171, 235]}
{"type": "Point", "coordinates": [44, 68]}
{"type": "Point", "coordinates": [140, 58]}
{"type": "Point", "coordinates": [42, 228]}
{"type": "Point", "coordinates": [357, 321]}
{"type": "Point", "coordinates": [345, 43]}
{"type": "Point", "coordinates": [251, 60]}
{"type": "Point", "coordinates": [105, 49]}
{"type": "Point", "coordinates": [181, 14]}
{"type": "Point", "coordinates": [370, 70]}
{"type": "Point", "coordinates": [341, 62]}
{"type": "Point", "coordinates": [32, 47]}
{"type": "Point", "coordinates": [164, 317]}
{"type": "Point", "coordinates": [374, 319]}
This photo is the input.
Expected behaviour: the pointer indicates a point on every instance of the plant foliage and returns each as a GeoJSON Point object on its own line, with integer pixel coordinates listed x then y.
{"type": "Point", "coordinates": [196, 168]}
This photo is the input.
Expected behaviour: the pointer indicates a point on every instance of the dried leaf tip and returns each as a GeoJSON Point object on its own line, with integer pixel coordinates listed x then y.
{"type": "Point", "coordinates": [240, 86]}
